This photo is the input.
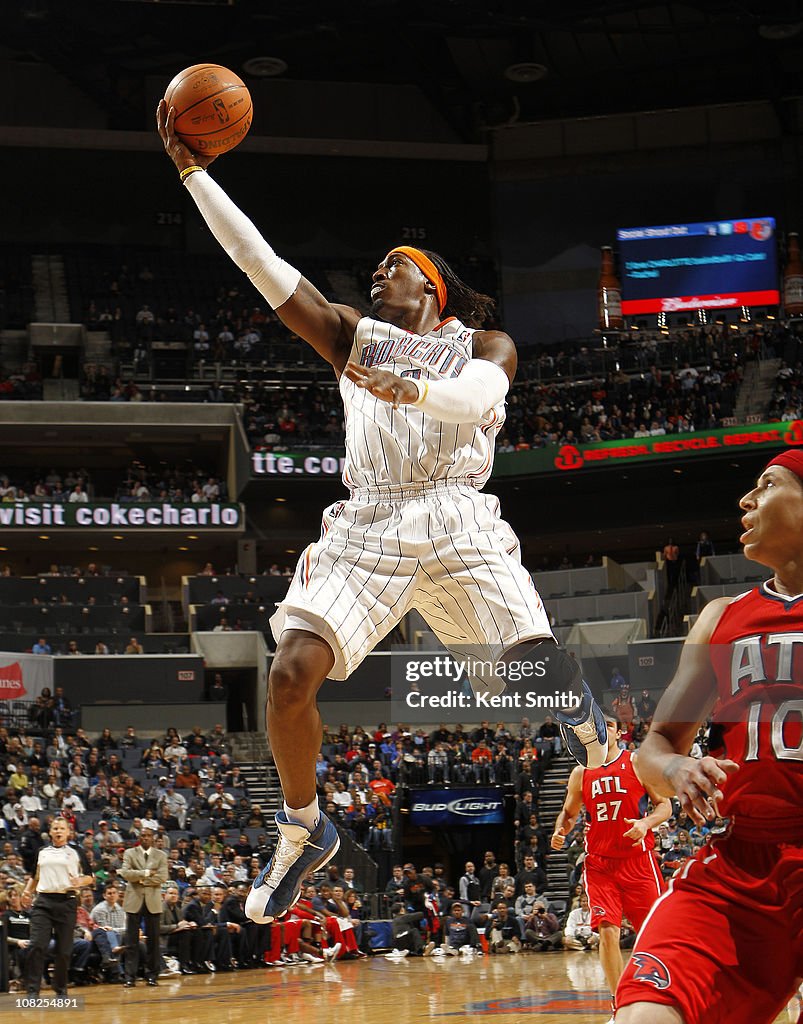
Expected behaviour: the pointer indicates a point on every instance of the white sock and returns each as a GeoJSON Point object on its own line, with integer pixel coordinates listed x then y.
{"type": "Point", "coordinates": [308, 816]}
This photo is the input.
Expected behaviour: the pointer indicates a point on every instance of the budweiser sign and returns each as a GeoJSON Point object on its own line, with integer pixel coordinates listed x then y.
{"type": "Point", "coordinates": [11, 684]}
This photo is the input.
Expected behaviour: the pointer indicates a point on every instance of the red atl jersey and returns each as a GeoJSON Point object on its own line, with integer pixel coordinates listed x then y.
{"type": "Point", "coordinates": [611, 794]}
{"type": "Point", "coordinates": [757, 654]}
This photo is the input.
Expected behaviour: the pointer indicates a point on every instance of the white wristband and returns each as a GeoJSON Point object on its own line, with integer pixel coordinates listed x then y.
{"type": "Point", "coordinates": [274, 278]}
{"type": "Point", "coordinates": [467, 398]}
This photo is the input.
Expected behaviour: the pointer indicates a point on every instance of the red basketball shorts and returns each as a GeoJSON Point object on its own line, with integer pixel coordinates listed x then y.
{"type": "Point", "coordinates": [622, 886]}
{"type": "Point", "coordinates": [725, 943]}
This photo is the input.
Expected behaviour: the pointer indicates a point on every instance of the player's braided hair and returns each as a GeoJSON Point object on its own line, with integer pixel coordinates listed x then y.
{"type": "Point", "coordinates": [473, 308]}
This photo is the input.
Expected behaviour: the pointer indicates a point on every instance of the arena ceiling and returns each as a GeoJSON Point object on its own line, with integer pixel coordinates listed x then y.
{"type": "Point", "coordinates": [481, 63]}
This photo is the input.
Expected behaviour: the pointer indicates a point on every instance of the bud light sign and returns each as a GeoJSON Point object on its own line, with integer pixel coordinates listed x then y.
{"type": "Point", "coordinates": [483, 805]}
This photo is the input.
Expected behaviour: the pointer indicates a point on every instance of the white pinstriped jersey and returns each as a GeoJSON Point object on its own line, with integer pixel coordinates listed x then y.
{"type": "Point", "coordinates": [387, 446]}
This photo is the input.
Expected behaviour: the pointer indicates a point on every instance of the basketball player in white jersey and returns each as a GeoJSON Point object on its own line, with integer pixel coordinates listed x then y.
{"type": "Point", "coordinates": [424, 395]}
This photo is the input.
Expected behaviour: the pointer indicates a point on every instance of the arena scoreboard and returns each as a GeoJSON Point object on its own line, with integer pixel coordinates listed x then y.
{"type": "Point", "coordinates": [718, 264]}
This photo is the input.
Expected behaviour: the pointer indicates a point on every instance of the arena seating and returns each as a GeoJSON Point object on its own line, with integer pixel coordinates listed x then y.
{"type": "Point", "coordinates": [594, 594]}
{"type": "Point", "coordinates": [237, 616]}
{"type": "Point", "coordinates": [203, 589]}
{"type": "Point", "coordinates": [727, 569]}
{"type": "Point", "coordinates": [48, 589]}
{"type": "Point", "coordinates": [16, 287]}
{"type": "Point", "coordinates": [579, 391]}
{"type": "Point", "coordinates": [87, 609]}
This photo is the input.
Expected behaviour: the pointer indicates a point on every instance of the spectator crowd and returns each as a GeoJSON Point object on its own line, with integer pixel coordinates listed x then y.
{"type": "Point", "coordinates": [141, 483]}
{"type": "Point", "coordinates": [641, 383]}
{"type": "Point", "coordinates": [786, 403]}
{"type": "Point", "coordinates": [189, 795]}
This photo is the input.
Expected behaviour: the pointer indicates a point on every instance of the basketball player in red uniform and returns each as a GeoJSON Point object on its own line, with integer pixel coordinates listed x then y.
{"type": "Point", "coordinates": [622, 876]}
{"type": "Point", "coordinates": [725, 944]}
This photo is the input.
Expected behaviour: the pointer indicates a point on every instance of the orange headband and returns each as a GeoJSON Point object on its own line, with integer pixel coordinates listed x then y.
{"type": "Point", "coordinates": [428, 269]}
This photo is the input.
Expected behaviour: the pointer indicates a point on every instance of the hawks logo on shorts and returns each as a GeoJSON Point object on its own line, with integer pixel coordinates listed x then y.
{"type": "Point", "coordinates": [599, 911]}
{"type": "Point", "coordinates": [651, 970]}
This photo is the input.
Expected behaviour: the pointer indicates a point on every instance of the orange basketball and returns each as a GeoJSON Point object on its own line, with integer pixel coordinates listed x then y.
{"type": "Point", "coordinates": [213, 108]}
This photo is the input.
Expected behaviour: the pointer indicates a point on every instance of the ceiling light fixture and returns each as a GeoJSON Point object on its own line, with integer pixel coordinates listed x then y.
{"type": "Point", "coordinates": [264, 67]}
{"type": "Point", "coordinates": [525, 72]}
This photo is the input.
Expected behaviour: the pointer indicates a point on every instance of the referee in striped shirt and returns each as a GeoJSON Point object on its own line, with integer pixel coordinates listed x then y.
{"type": "Point", "coordinates": [57, 880]}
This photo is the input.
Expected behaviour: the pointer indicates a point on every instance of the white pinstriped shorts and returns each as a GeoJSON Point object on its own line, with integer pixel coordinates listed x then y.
{"type": "Point", "coordinates": [440, 548]}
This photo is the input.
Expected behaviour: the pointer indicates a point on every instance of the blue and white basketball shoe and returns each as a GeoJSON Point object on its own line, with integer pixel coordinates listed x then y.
{"type": "Point", "coordinates": [298, 852]}
{"type": "Point", "coordinates": [585, 734]}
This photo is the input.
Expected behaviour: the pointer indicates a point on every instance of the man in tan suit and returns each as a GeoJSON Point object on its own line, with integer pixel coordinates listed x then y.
{"type": "Point", "coordinates": [145, 870]}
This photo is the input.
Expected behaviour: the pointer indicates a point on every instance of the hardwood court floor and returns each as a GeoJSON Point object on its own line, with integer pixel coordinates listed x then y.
{"type": "Point", "coordinates": [550, 988]}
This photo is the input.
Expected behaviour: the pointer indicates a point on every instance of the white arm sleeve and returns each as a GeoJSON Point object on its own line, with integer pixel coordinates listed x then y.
{"type": "Point", "coordinates": [466, 398]}
{"type": "Point", "coordinates": [274, 278]}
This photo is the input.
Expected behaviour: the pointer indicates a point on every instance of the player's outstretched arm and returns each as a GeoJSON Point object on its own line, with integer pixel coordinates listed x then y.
{"type": "Point", "coordinates": [328, 327]}
{"type": "Point", "coordinates": [663, 762]}
{"type": "Point", "coordinates": [572, 805]}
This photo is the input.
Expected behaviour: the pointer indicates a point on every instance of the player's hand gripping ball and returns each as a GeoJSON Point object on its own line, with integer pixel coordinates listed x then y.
{"type": "Point", "coordinates": [212, 106]}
